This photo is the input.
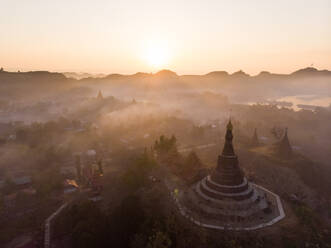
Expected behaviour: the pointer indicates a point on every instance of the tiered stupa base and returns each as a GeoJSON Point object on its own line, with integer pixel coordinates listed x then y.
{"type": "Point", "coordinates": [259, 209]}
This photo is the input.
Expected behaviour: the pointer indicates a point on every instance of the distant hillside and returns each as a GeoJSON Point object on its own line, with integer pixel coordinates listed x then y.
{"type": "Point", "coordinates": [239, 86]}
{"type": "Point", "coordinates": [163, 74]}
{"type": "Point", "coordinates": [311, 71]}
{"type": "Point", "coordinates": [32, 83]}
{"type": "Point", "coordinates": [308, 72]}
{"type": "Point", "coordinates": [26, 76]}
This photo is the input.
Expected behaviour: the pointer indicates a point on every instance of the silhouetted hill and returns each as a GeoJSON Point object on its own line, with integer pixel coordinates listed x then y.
{"type": "Point", "coordinates": [141, 75]}
{"type": "Point", "coordinates": [239, 87]}
{"type": "Point", "coordinates": [217, 74]}
{"type": "Point", "coordinates": [240, 74]}
{"type": "Point", "coordinates": [26, 76]}
{"type": "Point", "coordinates": [266, 75]}
{"type": "Point", "coordinates": [165, 74]}
{"type": "Point", "coordinates": [115, 76]}
{"type": "Point", "coordinates": [54, 76]}
{"type": "Point", "coordinates": [311, 71]}
{"type": "Point", "coordinates": [29, 84]}
{"type": "Point", "coordinates": [11, 81]}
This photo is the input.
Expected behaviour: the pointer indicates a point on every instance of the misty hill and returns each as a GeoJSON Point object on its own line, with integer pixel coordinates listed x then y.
{"type": "Point", "coordinates": [217, 74]}
{"type": "Point", "coordinates": [308, 72]}
{"type": "Point", "coordinates": [31, 84]}
{"type": "Point", "coordinates": [53, 76]}
{"type": "Point", "coordinates": [238, 86]}
{"type": "Point", "coordinates": [26, 76]}
{"type": "Point", "coordinates": [311, 71]}
{"type": "Point", "coordinates": [240, 74]}
{"type": "Point", "coordinates": [166, 73]}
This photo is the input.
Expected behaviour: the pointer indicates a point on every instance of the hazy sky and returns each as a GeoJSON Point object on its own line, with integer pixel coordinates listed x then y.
{"type": "Point", "coordinates": [190, 36]}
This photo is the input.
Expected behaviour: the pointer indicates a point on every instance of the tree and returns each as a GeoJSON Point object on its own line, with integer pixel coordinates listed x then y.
{"type": "Point", "coordinates": [78, 167]}
{"type": "Point", "coordinates": [191, 168]}
{"type": "Point", "coordinates": [165, 145]}
{"type": "Point", "coordinates": [159, 239]}
{"type": "Point", "coordinates": [137, 175]}
{"type": "Point", "coordinates": [193, 161]}
{"type": "Point", "coordinates": [126, 221]}
{"type": "Point", "coordinates": [88, 225]}
{"type": "Point", "coordinates": [8, 186]}
{"type": "Point", "coordinates": [2, 204]}
{"type": "Point", "coordinates": [48, 181]}
{"type": "Point", "coordinates": [100, 168]}
{"type": "Point", "coordinates": [166, 149]}
{"type": "Point", "coordinates": [22, 135]}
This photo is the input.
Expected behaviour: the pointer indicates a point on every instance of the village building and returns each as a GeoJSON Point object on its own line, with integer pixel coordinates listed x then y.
{"type": "Point", "coordinates": [70, 186]}
{"type": "Point", "coordinates": [21, 181]}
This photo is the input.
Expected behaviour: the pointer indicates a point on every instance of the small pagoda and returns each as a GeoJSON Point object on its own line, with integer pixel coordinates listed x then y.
{"type": "Point", "coordinates": [284, 149]}
{"type": "Point", "coordinates": [100, 96]}
{"type": "Point", "coordinates": [255, 140]}
{"type": "Point", "coordinates": [225, 199]}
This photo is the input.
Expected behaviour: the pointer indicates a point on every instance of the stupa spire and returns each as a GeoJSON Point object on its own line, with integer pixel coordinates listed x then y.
{"type": "Point", "coordinates": [228, 147]}
{"type": "Point", "coordinates": [227, 171]}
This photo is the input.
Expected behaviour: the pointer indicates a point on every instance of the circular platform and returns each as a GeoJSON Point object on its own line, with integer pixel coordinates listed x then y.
{"type": "Point", "coordinates": [262, 209]}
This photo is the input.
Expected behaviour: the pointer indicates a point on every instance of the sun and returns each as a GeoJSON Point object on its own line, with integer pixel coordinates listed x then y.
{"type": "Point", "coordinates": [157, 55]}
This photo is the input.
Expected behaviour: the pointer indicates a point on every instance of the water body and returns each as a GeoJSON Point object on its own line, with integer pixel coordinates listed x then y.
{"type": "Point", "coordinates": [307, 101]}
{"type": "Point", "coordinates": [297, 102]}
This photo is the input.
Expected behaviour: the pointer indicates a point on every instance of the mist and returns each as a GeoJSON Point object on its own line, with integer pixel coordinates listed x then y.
{"type": "Point", "coordinates": [117, 123]}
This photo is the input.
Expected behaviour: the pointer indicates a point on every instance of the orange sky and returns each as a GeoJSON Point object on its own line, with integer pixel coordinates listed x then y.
{"type": "Point", "coordinates": [189, 37]}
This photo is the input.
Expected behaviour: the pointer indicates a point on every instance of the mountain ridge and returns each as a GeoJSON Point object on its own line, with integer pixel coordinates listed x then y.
{"type": "Point", "coordinates": [165, 74]}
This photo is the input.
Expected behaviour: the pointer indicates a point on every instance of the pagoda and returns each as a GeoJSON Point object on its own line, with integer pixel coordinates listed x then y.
{"type": "Point", "coordinates": [225, 199]}
{"type": "Point", "coordinates": [100, 96]}
{"type": "Point", "coordinates": [255, 140]}
{"type": "Point", "coordinates": [284, 148]}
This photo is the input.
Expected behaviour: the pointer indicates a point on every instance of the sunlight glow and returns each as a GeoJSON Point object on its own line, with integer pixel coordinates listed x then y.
{"type": "Point", "coordinates": [157, 55]}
